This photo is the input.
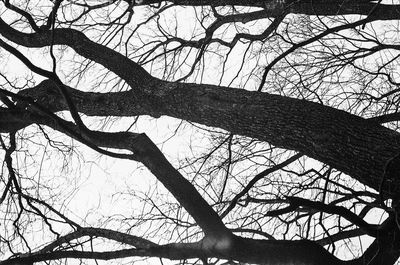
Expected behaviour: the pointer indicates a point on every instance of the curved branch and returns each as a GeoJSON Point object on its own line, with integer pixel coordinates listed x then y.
{"type": "Point", "coordinates": [254, 180]}
{"type": "Point", "coordinates": [131, 72]}
{"type": "Point", "coordinates": [23, 13]}
{"type": "Point", "coordinates": [145, 151]}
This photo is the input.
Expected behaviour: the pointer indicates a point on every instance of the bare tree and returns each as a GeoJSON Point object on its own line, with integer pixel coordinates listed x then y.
{"type": "Point", "coordinates": [285, 113]}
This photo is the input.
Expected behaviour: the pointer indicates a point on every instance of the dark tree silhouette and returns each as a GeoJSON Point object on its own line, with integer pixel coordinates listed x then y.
{"type": "Point", "coordinates": [284, 112]}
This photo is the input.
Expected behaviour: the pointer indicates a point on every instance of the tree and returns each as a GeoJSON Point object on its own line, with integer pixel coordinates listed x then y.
{"type": "Point", "coordinates": [291, 108]}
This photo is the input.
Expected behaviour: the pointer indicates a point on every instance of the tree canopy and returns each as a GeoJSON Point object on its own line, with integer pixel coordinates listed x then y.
{"type": "Point", "coordinates": [200, 131]}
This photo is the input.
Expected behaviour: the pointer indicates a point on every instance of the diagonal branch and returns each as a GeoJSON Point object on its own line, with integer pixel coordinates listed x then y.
{"type": "Point", "coordinates": [339, 139]}
{"type": "Point", "coordinates": [218, 242]}
{"type": "Point", "coordinates": [103, 55]}
{"type": "Point", "coordinates": [145, 151]}
{"type": "Point", "coordinates": [259, 176]}
{"type": "Point", "coordinates": [124, 238]}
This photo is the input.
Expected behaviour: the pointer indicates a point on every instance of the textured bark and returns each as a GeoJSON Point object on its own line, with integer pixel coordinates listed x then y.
{"type": "Point", "coordinates": [256, 251]}
{"type": "Point", "coordinates": [218, 242]}
{"type": "Point", "coordinates": [238, 249]}
{"type": "Point", "coordinates": [349, 143]}
{"type": "Point", "coordinates": [274, 8]}
{"type": "Point", "coordinates": [208, 105]}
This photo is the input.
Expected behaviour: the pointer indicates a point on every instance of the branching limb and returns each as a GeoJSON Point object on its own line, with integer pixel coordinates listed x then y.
{"type": "Point", "coordinates": [295, 202]}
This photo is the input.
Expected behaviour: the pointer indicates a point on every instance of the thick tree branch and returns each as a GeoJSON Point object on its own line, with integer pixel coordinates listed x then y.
{"type": "Point", "coordinates": [219, 242]}
{"type": "Point", "coordinates": [307, 7]}
{"type": "Point", "coordinates": [132, 73]}
{"type": "Point", "coordinates": [358, 147]}
{"type": "Point", "coordinates": [339, 139]}
{"type": "Point", "coordinates": [143, 150]}
{"type": "Point", "coordinates": [351, 144]}
{"type": "Point", "coordinates": [239, 249]}
{"type": "Point", "coordinates": [148, 154]}
{"type": "Point", "coordinates": [135, 241]}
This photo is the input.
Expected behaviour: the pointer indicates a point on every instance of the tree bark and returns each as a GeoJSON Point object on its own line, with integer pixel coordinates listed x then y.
{"type": "Point", "coordinates": [349, 143]}
{"type": "Point", "coordinates": [275, 8]}
{"type": "Point", "coordinates": [356, 146]}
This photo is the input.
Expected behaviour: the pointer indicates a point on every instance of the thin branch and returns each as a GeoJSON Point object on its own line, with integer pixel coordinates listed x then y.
{"type": "Point", "coordinates": [259, 176]}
